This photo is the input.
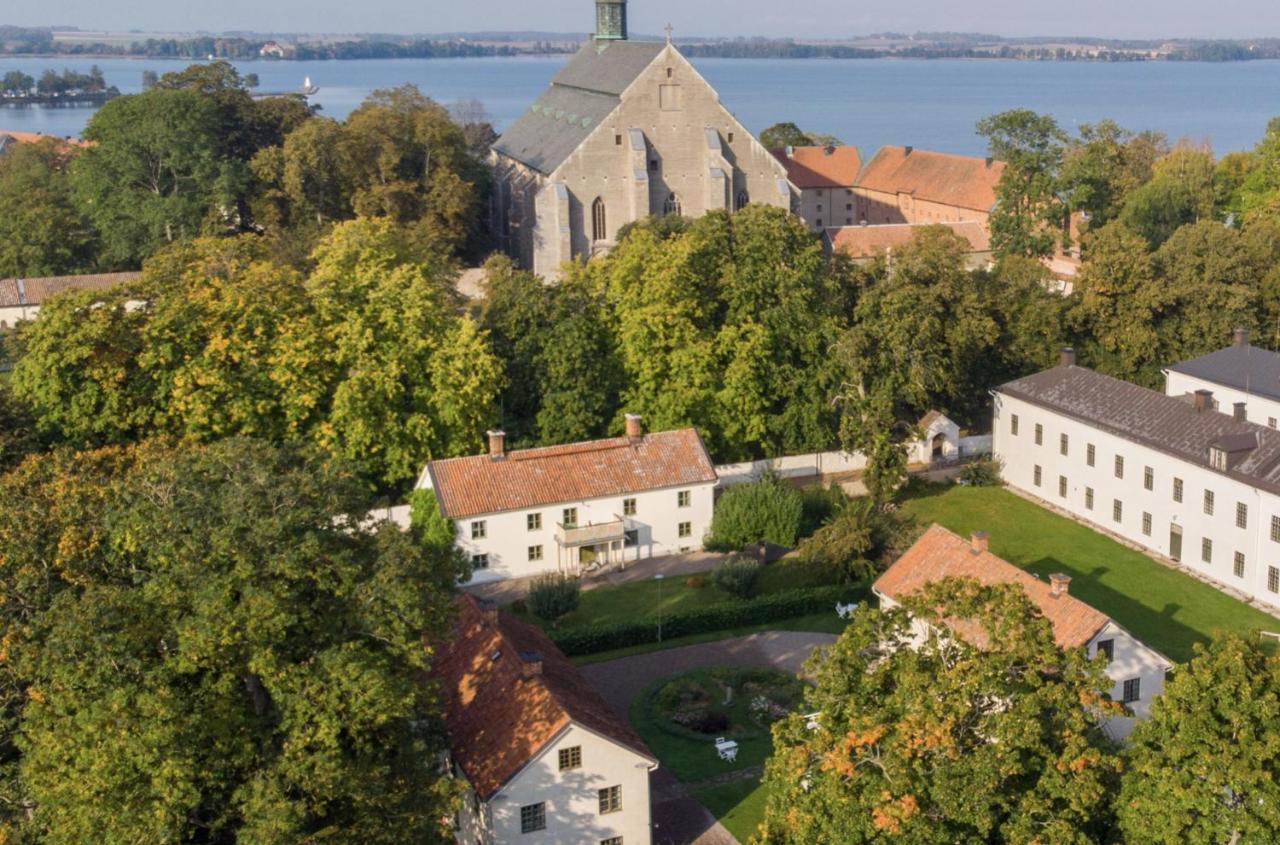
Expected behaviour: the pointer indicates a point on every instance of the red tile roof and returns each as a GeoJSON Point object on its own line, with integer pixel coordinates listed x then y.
{"type": "Point", "coordinates": [821, 167]}
{"type": "Point", "coordinates": [869, 241]}
{"type": "Point", "coordinates": [529, 478]}
{"type": "Point", "coordinates": [960, 181]}
{"type": "Point", "coordinates": [36, 137]}
{"type": "Point", "coordinates": [36, 291]}
{"type": "Point", "coordinates": [940, 554]}
{"type": "Point", "coordinates": [499, 719]}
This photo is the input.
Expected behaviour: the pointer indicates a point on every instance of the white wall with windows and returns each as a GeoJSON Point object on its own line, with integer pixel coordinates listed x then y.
{"type": "Point", "coordinates": [1258, 409]}
{"type": "Point", "coordinates": [517, 544]}
{"type": "Point", "coordinates": [1137, 673]}
{"type": "Point", "coordinates": [1215, 526]}
{"type": "Point", "coordinates": [582, 788]}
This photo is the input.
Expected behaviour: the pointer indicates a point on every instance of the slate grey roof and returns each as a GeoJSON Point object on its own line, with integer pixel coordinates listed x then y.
{"type": "Point", "coordinates": [1164, 423]}
{"type": "Point", "coordinates": [1246, 368]}
{"type": "Point", "coordinates": [581, 96]}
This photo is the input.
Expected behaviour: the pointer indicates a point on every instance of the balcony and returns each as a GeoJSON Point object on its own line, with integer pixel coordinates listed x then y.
{"type": "Point", "coordinates": [596, 534]}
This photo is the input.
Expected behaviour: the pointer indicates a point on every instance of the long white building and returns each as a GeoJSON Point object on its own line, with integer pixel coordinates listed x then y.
{"type": "Point", "coordinates": [1241, 374]}
{"type": "Point", "coordinates": [1170, 474]}
{"type": "Point", "coordinates": [574, 507]}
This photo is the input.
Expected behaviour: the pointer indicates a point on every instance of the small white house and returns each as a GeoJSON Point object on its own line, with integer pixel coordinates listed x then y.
{"type": "Point", "coordinates": [1136, 670]}
{"type": "Point", "coordinates": [546, 760]}
{"type": "Point", "coordinates": [1243, 378]}
{"type": "Point", "coordinates": [1169, 474]}
{"type": "Point", "coordinates": [577, 507]}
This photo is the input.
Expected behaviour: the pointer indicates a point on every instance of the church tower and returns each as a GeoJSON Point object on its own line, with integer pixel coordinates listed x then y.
{"type": "Point", "coordinates": [611, 20]}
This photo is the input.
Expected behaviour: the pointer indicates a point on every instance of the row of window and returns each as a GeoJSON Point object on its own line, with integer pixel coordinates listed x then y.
{"type": "Point", "coordinates": [1206, 543]}
{"type": "Point", "coordinates": [535, 553]}
{"type": "Point", "coordinates": [533, 817]}
{"type": "Point", "coordinates": [569, 516]}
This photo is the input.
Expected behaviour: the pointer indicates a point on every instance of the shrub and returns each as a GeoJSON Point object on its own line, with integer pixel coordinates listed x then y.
{"type": "Point", "coordinates": [425, 517]}
{"type": "Point", "coordinates": [855, 543]}
{"type": "Point", "coordinates": [788, 604]}
{"type": "Point", "coordinates": [696, 582]}
{"type": "Point", "coordinates": [737, 576]}
{"type": "Point", "coordinates": [765, 510]}
{"type": "Point", "coordinates": [818, 504]}
{"type": "Point", "coordinates": [984, 473]}
{"type": "Point", "coordinates": [553, 596]}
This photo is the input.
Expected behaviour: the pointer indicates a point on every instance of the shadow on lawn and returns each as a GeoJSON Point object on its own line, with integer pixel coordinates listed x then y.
{"type": "Point", "coordinates": [1157, 628]}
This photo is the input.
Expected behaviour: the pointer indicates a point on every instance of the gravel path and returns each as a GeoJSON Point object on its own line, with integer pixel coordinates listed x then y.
{"type": "Point", "coordinates": [679, 819]}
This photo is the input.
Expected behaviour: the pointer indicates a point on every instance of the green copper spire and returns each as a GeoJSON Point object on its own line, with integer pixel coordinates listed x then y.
{"type": "Point", "coordinates": [611, 20]}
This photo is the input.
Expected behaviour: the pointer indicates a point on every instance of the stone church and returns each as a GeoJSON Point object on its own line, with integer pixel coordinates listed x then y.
{"type": "Point", "coordinates": [627, 129]}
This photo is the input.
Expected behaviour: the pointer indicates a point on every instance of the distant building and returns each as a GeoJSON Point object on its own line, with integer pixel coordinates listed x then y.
{"type": "Point", "coordinates": [275, 50]}
{"type": "Point", "coordinates": [546, 760]}
{"type": "Point", "coordinates": [573, 507]}
{"type": "Point", "coordinates": [907, 185]}
{"type": "Point", "coordinates": [822, 180]}
{"type": "Point", "coordinates": [9, 139]}
{"type": "Point", "coordinates": [628, 129]}
{"type": "Point", "coordinates": [1241, 373]}
{"type": "Point", "coordinates": [865, 243]}
{"type": "Point", "coordinates": [1169, 474]}
{"type": "Point", "coordinates": [20, 299]}
{"type": "Point", "coordinates": [1136, 670]}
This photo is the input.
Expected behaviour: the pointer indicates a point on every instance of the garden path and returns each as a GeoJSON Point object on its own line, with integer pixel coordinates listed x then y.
{"type": "Point", "coordinates": [678, 818]}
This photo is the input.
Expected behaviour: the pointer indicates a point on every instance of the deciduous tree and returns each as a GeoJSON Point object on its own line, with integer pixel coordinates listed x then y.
{"type": "Point", "coordinates": [42, 232]}
{"type": "Point", "coordinates": [1029, 213]}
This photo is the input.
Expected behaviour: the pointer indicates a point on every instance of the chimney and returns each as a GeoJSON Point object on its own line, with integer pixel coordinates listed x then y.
{"type": "Point", "coordinates": [1059, 584]}
{"type": "Point", "coordinates": [497, 444]}
{"type": "Point", "coordinates": [531, 663]}
{"type": "Point", "coordinates": [1066, 357]}
{"type": "Point", "coordinates": [1241, 337]}
{"type": "Point", "coordinates": [635, 428]}
{"type": "Point", "coordinates": [907, 151]}
{"type": "Point", "coordinates": [489, 610]}
{"type": "Point", "coordinates": [829, 149]}
{"type": "Point", "coordinates": [791, 151]}
{"type": "Point", "coordinates": [990, 162]}
{"type": "Point", "coordinates": [1240, 412]}
{"type": "Point", "coordinates": [1204, 400]}
{"type": "Point", "coordinates": [979, 542]}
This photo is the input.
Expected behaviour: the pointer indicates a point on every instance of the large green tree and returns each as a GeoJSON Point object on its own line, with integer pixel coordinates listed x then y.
{"type": "Point", "coordinates": [1029, 213]}
{"type": "Point", "coordinates": [1204, 769]}
{"type": "Point", "coordinates": [941, 741]}
{"type": "Point", "coordinates": [196, 650]}
{"type": "Point", "coordinates": [42, 233]}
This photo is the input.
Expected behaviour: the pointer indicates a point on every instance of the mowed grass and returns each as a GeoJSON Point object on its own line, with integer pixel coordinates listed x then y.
{"type": "Point", "coordinates": [738, 805]}
{"type": "Point", "coordinates": [823, 623]}
{"type": "Point", "coordinates": [1166, 609]}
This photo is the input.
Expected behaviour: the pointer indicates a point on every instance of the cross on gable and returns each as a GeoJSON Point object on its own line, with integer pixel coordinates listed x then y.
{"type": "Point", "coordinates": [669, 29]}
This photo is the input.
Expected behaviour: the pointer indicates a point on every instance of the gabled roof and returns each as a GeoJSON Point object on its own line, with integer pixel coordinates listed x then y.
{"type": "Point", "coordinates": [581, 96]}
{"type": "Point", "coordinates": [19, 292]}
{"type": "Point", "coordinates": [1165, 423]}
{"type": "Point", "coordinates": [961, 181]}
{"type": "Point", "coordinates": [577, 472]}
{"type": "Point", "coordinates": [36, 137]}
{"type": "Point", "coordinates": [1243, 367]}
{"type": "Point", "coordinates": [500, 718]}
{"type": "Point", "coordinates": [820, 167]}
{"type": "Point", "coordinates": [869, 241]}
{"type": "Point", "coordinates": [940, 554]}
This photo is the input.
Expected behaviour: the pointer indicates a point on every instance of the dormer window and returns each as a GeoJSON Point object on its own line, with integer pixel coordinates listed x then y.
{"type": "Point", "coordinates": [1218, 458]}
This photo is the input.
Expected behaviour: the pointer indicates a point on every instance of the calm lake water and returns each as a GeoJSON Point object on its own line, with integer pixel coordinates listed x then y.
{"type": "Point", "coordinates": [864, 102]}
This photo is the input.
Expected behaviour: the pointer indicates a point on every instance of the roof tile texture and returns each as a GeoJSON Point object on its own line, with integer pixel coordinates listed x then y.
{"type": "Point", "coordinates": [869, 241]}
{"type": "Point", "coordinates": [821, 167]}
{"type": "Point", "coordinates": [961, 181]}
{"type": "Point", "coordinates": [498, 718]}
{"type": "Point", "coordinates": [578, 472]}
{"type": "Point", "coordinates": [36, 291]}
{"type": "Point", "coordinates": [940, 554]}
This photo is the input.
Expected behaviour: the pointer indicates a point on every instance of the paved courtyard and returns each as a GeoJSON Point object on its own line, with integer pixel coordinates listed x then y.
{"type": "Point", "coordinates": [678, 818]}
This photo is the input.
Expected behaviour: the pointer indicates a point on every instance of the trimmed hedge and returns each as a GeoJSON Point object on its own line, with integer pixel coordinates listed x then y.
{"type": "Point", "coordinates": [786, 604]}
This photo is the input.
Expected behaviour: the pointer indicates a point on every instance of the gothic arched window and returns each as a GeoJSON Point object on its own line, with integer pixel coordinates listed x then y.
{"type": "Point", "coordinates": [672, 205]}
{"type": "Point", "coordinates": [743, 200]}
{"type": "Point", "coordinates": [599, 229]}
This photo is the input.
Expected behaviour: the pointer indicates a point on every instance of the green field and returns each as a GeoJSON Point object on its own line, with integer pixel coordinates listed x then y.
{"type": "Point", "coordinates": [1166, 609]}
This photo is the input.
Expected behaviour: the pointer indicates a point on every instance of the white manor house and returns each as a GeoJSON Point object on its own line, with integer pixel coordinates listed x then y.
{"type": "Point", "coordinates": [1184, 476]}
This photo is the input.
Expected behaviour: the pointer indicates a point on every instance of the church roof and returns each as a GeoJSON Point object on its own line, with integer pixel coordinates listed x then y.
{"type": "Point", "coordinates": [581, 96]}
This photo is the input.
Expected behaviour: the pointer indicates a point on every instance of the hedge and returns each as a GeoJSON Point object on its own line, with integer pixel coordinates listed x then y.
{"type": "Point", "coordinates": [786, 604]}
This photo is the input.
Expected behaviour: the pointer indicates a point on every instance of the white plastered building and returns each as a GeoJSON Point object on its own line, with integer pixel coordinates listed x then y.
{"type": "Point", "coordinates": [1241, 374]}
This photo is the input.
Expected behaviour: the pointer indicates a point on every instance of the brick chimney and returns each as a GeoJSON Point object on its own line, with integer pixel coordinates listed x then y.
{"type": "Point", "coordinates": [979, 542]}
{"type": "Point", "coordinates": [1239, 412]}
{"type": "Point", "coordinates": [990, 162]}
{"type": "Point", "coordinates": [1059, 584]}
{"type": "Point", "coordinates": [1204, 400]}
{"type": "Point", "coordinates": [489, 610]}
{"type": "Point", "coordinates": [635, 428]}
{"type": "Point", "coordinates": [907, 151]}
{"type": "Point", "coordinates": [497, 444]}
{"type": "Point", "coordinates": [1066, 357]}
{"type": "Point", "coordinates": [1242, 337]}
{"type": "Point", "coordinates": [531, 663]}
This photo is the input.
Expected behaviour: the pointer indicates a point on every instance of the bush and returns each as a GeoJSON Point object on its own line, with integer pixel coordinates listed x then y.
{"type": "Point", "coordinates": [696, 582]}
{"type": "Point", "coordinates": [737, 576]}
{"type": "Point", "coordinates": [765, 510]}
{"type": "Point", "coordinates": [788, 604]}
{"type": "Point", "coordinates": [854, 545]}
{"type": "Point", "coordinates": [984, 473]}
{"type": "Point", "coordinates": [819, 504]}
{"type": "Point", "coordinates": [553, 596]}
{"type": "Point", "coordinates": [425, 517]}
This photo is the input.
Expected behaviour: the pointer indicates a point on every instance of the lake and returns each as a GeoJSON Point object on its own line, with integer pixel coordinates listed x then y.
{"type": "Point", "coordinates": [868, 103]}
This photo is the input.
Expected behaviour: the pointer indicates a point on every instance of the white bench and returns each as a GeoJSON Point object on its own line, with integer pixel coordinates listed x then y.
{"type": "Point", "coordinates": [844, 611]}
{"type": "Point", "coordinates": [727, 749]}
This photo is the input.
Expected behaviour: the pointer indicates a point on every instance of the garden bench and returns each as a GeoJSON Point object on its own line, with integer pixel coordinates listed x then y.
{"type": "Point", "coordinates": [727, 749]}
{"type": "Point", "coordinates": [844, 611]}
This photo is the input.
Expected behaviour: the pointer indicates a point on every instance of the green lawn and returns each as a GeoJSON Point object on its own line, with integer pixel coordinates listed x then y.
{"type": "Point", "coordinates": [738, 805]}
{"type": "Point", "coordinates": [1164, 608]}
{"type": "Point", "coordinates": [825, 623]}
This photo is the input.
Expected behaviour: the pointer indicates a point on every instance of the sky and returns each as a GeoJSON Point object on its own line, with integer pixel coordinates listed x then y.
{"type": "Point", "coordinates": [813, 18]}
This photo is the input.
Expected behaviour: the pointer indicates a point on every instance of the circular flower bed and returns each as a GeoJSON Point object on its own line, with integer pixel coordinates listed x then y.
{"type": "Point", "coordinates": [733, 703]}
